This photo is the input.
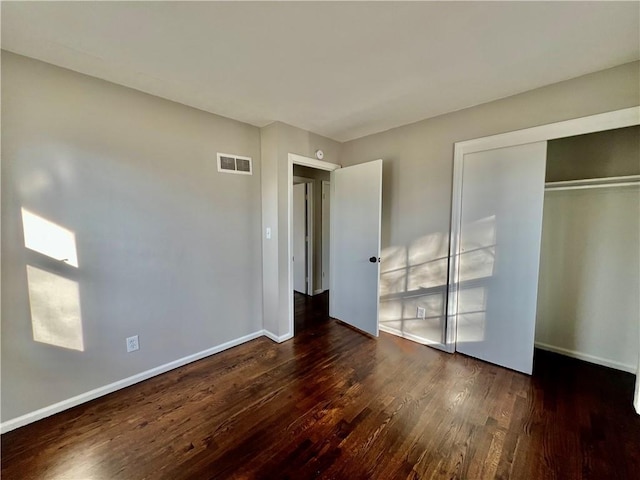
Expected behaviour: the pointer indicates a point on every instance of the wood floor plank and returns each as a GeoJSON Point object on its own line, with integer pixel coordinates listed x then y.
{"type": "Point", "coordinates": [335, 404]}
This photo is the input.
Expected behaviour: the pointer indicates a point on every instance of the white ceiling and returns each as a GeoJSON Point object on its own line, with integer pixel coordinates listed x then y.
{"type": "Point", "coordinates": [343, 70]}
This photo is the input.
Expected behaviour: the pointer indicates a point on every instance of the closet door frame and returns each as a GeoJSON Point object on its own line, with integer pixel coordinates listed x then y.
{"type": "Point", "coordinates": [594, 123]}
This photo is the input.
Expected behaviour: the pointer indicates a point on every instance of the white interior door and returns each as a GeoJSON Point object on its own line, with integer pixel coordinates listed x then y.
{"type": "Point", "coordinates": [500, 234]}
{"type": "Point", "coordinates": [326, 219]}
{"type": "Point", "coordinates": [356, 205]}
{"type": "Point", "coordinates": [299, 238]}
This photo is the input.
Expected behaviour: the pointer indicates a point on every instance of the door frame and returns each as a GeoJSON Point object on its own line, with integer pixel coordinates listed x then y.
{"type": "Point", "coordinates": [295, 159]}
{"type": "Point", "coordinates": [626, 117]}
{"type": "Point", "coordinates": [309, 232]}
{"type": "Point", "coordinates": [325, 263]}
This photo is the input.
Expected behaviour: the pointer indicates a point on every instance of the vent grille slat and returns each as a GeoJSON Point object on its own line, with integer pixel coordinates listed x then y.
{"type": "Point", "coordinates": [234, 164]}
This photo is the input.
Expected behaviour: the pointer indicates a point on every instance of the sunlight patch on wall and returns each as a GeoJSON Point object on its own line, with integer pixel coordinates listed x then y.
{"type": "Point", "coordinates": [55, 309]}
{"type": "Point", "coordinates": [48, 238]}
{"type": "Point", "coordinates": [400, 314]}
{"type": "Point", "coordinates": [415, 276]}
{"type": "Point", "coordinates": [423, 264]}
{"type": "Point", "coordinates": [478, 249]}
{"type": "Point", "coordinates": [472, 314]}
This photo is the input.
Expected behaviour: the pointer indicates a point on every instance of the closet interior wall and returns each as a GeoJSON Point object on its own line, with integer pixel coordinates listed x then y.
{"type": "Point", "coordinates": [588, 305]}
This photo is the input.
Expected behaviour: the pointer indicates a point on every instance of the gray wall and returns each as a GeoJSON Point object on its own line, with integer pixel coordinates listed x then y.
{"type": "Point", "coordinates": [168, 248]}
{"type": "Point", "coordinates": [611, 153]}
{"type": "Point", "coordinates": [588, 303]}
{"type": "Point", "coordinates": [418, 167]}
{"type": "Point", "coordinates": [318, 177]}
{"type": "Point", "coordinates": [280, 139]}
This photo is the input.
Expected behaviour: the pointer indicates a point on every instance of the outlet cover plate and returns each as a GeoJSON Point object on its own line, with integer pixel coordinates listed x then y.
{"type": "Point", "coordinates": [132, 344]}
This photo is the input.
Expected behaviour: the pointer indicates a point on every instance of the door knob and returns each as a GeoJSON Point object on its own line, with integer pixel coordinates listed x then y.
{"type": "Point", "coordinates": [374, 259]}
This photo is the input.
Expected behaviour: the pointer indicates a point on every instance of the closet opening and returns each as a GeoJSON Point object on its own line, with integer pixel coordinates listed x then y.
{"type": "Point", "coordinates": [588, 305]}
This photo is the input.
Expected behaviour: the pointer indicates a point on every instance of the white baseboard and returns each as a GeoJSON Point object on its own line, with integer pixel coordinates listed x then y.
{"type": "Point", "coordinates": [276, 338]}
{"type": "Point", "coordinates": [126, 382]}
{"type": "Point", "coordinates": [605, 362]}
{"type": "Point", "coordinates": [413, 338]}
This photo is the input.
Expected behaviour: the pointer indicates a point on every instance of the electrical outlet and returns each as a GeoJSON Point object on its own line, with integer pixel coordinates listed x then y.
{"type": "Point", "coordinates": [132, 343]}
{"type": "Point", "coordinates": [421, 313]}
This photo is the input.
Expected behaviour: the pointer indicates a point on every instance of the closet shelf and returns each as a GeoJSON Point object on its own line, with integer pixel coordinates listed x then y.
{"type": "Point", "coordinates": [604, 182]}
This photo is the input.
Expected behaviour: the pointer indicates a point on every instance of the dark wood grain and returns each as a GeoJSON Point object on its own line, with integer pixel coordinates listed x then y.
{"type": "Point", "coordinates": [310, 311]}
{"type": "Point", "coordinates": [335, 404]}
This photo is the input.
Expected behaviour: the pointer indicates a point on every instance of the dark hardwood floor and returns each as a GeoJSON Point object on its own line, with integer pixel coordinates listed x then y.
{"type": "Point", "coordinates": [332, 403]}
{"type": "Point", "coordinates": [310, 311]}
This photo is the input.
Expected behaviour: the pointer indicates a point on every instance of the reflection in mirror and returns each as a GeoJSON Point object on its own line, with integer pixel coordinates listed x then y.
{"type": "Point", "coordinates": [55, 309]}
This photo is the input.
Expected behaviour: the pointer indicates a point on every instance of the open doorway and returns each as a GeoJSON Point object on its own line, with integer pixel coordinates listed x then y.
{"type": "Point", "coordinates": [356, 212]}
{"type": "Point", "coordinates": [310, 246]}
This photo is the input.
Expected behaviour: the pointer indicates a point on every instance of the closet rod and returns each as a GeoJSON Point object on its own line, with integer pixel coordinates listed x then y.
{"type": "Point", "coordinates": [606, 182]}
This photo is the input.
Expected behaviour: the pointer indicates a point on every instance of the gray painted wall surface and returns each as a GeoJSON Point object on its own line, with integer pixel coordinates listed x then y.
{"type": "Point", "coordinates": [168, 248]}
{"type": "Point", "coordinates": [283, 139]}
{"type": "Point", "coordinates": [611, 153]}
{"type": "Point", "coordinates": [418, 169]}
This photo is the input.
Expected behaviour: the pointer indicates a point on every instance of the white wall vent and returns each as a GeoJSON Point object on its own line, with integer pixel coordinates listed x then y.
{"type": "Point", "coordinates": [235, 164]}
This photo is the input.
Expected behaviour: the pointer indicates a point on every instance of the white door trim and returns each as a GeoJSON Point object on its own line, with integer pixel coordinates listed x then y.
{"type": "Point", "coordinates": [312, 162]}
{"type": "Point", "coordinates": [299, 233]}
{"type": "Point", "coordinates": [296, 159]}
{"type": "Point", "coordinates": [594, 123]}
{"type": "Point", "coordinates": [325, 264]}
{"type": "Point", "coordinates": [309, 223]}
{"type": "Point", "coordinates": [310, 233]}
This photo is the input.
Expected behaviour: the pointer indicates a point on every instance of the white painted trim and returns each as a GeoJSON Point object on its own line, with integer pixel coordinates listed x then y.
{"type": "Point", "coordinates": [309, 234]}
{"type": "Point", "coordinates": [605, 362]}
{"type": "Point", "coordinates": [120, 384]}
{"type": "Point", "coordinates": [326, 240]}
{"type": "Point", "coordinates": [626, 117]}
{"type": "Point", "coordinates": [312, 162]}
{"type": "Point", "coordinates": [309, 222]}
{"type": "Point", "coordinates": [318, 291]}
{"type": "Point", "coordinates": [294, 158]}
{"type": "Point", "coordinates": [275, 338]}
{"type": "Point", "coordinates": [413, 338]}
